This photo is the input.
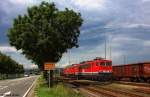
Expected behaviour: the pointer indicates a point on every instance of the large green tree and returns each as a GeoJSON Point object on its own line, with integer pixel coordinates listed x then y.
{"type": "Point", "coordinates": [45, 33]}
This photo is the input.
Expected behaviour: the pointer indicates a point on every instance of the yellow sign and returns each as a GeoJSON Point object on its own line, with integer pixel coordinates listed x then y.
{"type": "Point", "coordinates": [49, 66]}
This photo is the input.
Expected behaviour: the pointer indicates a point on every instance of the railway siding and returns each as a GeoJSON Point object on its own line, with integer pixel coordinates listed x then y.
{"type": "Point", "coordinates": [121, 92]}
{"type": "Point", "coordinates": [101, 89]}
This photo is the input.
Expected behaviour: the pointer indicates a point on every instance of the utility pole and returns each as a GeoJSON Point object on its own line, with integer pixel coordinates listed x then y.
{"type": "Point", "coordinates": [110, 43]}
{"type": "Point", "coordinates": [110, 52]}
{"type": "Point", "coordinates": [105, 47]}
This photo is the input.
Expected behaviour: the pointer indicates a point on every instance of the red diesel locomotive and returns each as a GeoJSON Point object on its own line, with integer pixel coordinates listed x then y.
{"type": "Point", "coordinates": [97, 69]}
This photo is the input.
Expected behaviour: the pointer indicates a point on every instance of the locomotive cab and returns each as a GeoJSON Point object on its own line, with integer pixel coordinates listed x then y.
{"type": "Point", "coordinates": [105, 69]}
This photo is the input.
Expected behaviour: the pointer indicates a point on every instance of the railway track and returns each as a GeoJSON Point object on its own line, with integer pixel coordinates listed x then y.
{"type": "Point", "coordinates": [142, 87]}
{"type": "Point", "coordinates": [89, 91]}
{"type": "Point", "coordinates": [105, 90]}
{"type": "Point", "coordinates": [100, 92]}
{"type": "Point", "coordinates": [108, 92]}
{"type": "Point", "coordinates": [119, 92]}
{"type": "Point", "coordinates": [142, 90]}
{"type": "Point", "coordinates": [133, 83]}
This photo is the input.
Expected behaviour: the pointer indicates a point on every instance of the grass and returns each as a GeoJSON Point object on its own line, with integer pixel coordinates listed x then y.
{"type": "Point", "coordinates": [58, 90]}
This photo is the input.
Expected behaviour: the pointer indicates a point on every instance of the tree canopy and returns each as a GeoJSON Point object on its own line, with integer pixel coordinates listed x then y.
{"type": "Point", "coordinates": [9, 66]}
{"type": "Point", "coordinates": [45, 33]}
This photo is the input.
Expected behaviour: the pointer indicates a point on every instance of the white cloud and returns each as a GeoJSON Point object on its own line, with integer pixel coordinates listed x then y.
{"type": "Point", "coordinates": [23, 2]}
{"type": "Point", "coordinates": [87, 5]}
{"type": "Point", "coordinates": [137, 25]}
{"type": "Point", "coordinates": [116, 24]}
{"type": "Point", "coordinates": [145, 0]}
{"type": "Point", "coordinates": [7, 49]}
{"type": "Point", "coordinates": [147, 43]}
{"type": "Point", "coordinates": [124, 39]}
{"type": "Point", "coordinates": [90, 4]}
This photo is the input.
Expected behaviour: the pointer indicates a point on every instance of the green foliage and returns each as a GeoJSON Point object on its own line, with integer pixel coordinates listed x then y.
{"type": "Point", "coordinates": [9, 66]}
{"type": "Point", "coordinates": [58, 90]}
{"type": "Point", "coordinates": [45, 33]}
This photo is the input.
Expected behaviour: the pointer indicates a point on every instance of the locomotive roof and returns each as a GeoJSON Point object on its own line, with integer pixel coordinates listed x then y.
{"type": "Point", "coordinates": [72, 65]}
{"type": "Point", "coordinates": [94, 60]}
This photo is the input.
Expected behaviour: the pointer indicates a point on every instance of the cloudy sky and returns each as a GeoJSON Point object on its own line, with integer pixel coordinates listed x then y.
{"type": "Point", "coordinates": [125, 25]}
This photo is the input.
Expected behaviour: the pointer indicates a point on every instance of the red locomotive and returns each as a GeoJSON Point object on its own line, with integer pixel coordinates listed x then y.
{"type": "Point", "coordinates": [97, 69]}
{"type": "Point", "coordinates": [133, 72]}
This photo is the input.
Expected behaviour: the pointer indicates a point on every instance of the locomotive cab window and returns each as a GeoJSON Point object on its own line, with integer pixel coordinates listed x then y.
{"type": "Point", "coordinates": [104, 63]}
{"type": "Point", "coordinates": [86, 66]}
{"type": "Point", "coordinates": [109, 64]}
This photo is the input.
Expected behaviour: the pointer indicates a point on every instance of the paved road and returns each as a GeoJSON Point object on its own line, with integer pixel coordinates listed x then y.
{"type": "Point", "coordinates": [16, 87]}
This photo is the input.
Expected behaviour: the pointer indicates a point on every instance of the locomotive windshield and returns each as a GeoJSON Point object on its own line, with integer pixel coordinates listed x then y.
{"type": "Point", "coordinates": [104, 63]}
{"type": "Point", "coordinates": [85, 66]}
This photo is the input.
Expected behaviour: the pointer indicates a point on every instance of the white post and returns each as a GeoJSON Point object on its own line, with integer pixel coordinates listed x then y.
{"type": "Point", "coordinates": [49, 78]}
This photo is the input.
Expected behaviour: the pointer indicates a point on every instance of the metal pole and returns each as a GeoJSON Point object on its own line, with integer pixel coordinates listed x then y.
{"type": "Point", "coordinates": [59, 71]}
{"type": "Point", "coordinates": [105, 46]}
{"type": "Point", "coordinates": [49, 78]}
{"type": "Point", "coordinates": [110, 48]}
{"type": "Point", "coordinates": [110, 51]}
{"type": "Point", "coordinates": [105, 49]}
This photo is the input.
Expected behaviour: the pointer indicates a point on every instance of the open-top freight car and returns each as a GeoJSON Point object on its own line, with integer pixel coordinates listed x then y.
{"type": "Point", "coordinates": [133, 72]}
{"type": "Point", "coordinates": [97, 69]}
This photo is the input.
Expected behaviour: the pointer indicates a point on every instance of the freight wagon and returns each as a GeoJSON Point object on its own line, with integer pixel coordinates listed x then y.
{"type": "Point", "coordinates": [133, 72]}
{"type": "Point", "coordinates": [97, 69]}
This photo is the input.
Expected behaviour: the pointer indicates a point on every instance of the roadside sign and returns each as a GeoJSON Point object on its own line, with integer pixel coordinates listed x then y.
{"type": "Point", "coordinates": [49, 66]}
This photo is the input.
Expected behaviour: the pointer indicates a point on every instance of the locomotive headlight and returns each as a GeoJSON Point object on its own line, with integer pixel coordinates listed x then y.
{"type": "Point", "coordinates": [106, 71]}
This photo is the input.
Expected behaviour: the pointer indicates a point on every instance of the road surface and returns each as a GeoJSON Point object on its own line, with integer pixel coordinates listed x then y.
{"type": "Point", "coordinates": [16, 87]}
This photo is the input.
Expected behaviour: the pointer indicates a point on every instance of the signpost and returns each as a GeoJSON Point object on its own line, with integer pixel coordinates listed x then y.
{"type": "Point", "coordinates": [49, 67]}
